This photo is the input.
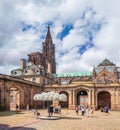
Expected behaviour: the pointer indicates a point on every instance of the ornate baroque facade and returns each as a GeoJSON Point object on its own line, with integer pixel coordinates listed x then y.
{"type": "Point", "coordinates": [98, 88]}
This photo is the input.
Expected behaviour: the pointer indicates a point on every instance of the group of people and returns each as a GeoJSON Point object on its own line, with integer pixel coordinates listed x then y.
{"type": "Point", "coordinates": [51, 110]}
{"type": "Point", "coordinates": [105, 109]}
{"type": "Point", "coordinates": [85, 110]}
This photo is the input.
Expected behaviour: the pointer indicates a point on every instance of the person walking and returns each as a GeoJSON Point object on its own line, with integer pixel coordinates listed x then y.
{"type": "Point", "coordinates": [82, 110]}
{"type": "Point", "coordinates": [76, 110]}
{"type": "Point", "coordinates": [48, 109]}
{"type": "Point", "coordinates": [106, 110]}
{"type": "Point", "coordinates": [51, 110]}
{"type": "Point", "coordinates": [17, 107]}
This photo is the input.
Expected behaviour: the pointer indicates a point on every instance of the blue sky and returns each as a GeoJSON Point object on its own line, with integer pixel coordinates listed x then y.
{"type": "Point", "coordinates": [85, 32]}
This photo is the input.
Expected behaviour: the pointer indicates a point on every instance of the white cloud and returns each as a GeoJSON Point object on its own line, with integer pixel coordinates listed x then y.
{"type": "Point", "coordinates": [16, 44]}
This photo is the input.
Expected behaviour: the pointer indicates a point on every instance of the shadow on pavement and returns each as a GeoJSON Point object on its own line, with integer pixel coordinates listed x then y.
{"type": "Point", "coordinates": [71, 118]}
{"type": "Point", "coordinates": [6, 127]}
{"type": "Point", "coordinates": [10, 113]}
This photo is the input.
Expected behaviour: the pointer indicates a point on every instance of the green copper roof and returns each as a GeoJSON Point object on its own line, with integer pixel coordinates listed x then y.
{"type": "Point", "coordinates": [72, 74]}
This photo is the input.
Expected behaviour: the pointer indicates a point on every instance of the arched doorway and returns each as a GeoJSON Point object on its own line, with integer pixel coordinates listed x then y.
{"type": "Point", "coordinates": [104, 98]}
{"type": "Point", "coordinates": [27, 98]}
{"type": "Point", "coordinates": [64, 104]}
{"type": "Point", "coordinates": [82, 98]}
{"type": "Point", "coordinates": [14, 98]}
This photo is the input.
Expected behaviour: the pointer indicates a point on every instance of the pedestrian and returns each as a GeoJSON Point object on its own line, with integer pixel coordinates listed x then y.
{"type": "Point", "coordinates": [91, 111]}
{"type": "Point", "coordinates": [48, 109]}
{"type": "Point", "coordinates": [17, 107]}
{"type": "Point", "coordinates": [87, 111]}
{"type": "Point", "coordinates": [106, 110]}
{"type": "Point", "coordinates": [34, 111]}
{"type": "Point", "coordinates": [59, 109]}
{"type": "Point", "coordinates": [37, 113]}
{"type": "Point", "coordinates": [66, 111]}
{"type": "Point", "coordinates": [82, 110]}
{"type": "Point", "coordinates": [27, 107]}
{"type": "Point", "coordinates": [51, 110]}
{"type": "Point", "coordinates": [76, 110]}
{"type": "Point", "coordinates": [101, 109]}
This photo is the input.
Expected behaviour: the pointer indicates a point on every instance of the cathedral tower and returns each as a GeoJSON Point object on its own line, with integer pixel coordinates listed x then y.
{"type": "Point", "coordinates": [49, 52]}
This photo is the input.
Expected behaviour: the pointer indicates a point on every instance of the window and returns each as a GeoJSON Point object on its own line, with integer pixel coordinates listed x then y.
{"type": "Point", "coordinates": [34, 80]}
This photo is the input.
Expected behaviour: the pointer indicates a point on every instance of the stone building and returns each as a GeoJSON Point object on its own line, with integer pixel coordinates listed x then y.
{"type": "Point", "coordinates": [97, 89]}
{"type": "Point", "coordinates": [30, 78]}
{"type": "Point", "coordinates": [18, 91]}
{"type": "Point", "coordinates": [41, 65]}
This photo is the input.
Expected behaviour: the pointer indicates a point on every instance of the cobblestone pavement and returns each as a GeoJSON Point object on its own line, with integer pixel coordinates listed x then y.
{"type": "Point", "coordinates": [28, 121]}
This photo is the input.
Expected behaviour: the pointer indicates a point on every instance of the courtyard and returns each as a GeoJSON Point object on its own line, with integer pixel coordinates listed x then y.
{"type": "Point", "coordinates": [26, 120]}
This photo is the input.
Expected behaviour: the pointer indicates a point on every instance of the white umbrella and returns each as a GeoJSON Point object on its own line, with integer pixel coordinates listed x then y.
{"type": "Point", "coordinates": [56, 97]}
{"type": "Point", "coordinates": [50, 96]}
{"type": "Point", "coordinates": [36, 96]}
{"type": "Point", "coordinates": [62, 97]}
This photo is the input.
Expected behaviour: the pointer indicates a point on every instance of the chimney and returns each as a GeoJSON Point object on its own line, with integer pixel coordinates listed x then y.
{"type": "Point", "coordinates": [22, 63]}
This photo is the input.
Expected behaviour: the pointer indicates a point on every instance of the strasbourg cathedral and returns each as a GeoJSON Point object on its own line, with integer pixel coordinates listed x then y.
{"type": "Point", "coordinates": [98, 88]}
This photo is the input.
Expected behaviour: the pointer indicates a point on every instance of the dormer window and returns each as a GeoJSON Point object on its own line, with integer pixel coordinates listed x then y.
{"type": "Point", "coordinates": [34, 80]}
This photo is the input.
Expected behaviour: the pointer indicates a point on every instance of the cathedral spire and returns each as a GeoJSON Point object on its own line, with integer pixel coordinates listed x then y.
{"type": "Point", "coordinates": [48, 35]}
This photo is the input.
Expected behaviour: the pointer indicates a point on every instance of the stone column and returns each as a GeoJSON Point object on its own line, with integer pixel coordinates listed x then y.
{"type": "Point", "coordinates": [70, 97]}
{"type": "Point", "coordinates": [117, 97]}
{"type": "Point", "coordinates": [89, 98]}
{"type": "Point", "coordinates": [93, 97]}
{"type": "Point", "coordinates": [74, 98]}
{"type": "Point", "coordinates": [96, 101]}
{"type": "Point", "coordinates": [112, 100]}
